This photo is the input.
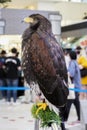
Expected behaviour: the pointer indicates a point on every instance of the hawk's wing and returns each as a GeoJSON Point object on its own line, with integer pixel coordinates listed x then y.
{"type": "Point", "coordinates": [43, 57]}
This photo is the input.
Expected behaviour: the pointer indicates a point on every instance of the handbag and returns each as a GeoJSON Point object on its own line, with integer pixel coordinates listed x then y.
{"type": "Point", "coordinates": [71, 92]}
{"type": "Point", "coordinates": [83, 72]}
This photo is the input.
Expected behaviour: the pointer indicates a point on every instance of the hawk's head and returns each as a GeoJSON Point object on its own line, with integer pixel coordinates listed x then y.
{"type": "Point", "coordinates": [37, 20]}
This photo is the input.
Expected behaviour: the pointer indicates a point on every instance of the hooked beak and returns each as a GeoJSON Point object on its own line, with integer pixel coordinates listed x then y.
{"type": "Point", "coordinates": [28, 20]}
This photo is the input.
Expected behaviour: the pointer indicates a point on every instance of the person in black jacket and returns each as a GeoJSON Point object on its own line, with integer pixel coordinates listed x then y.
{"type": "Point", "coordinates": [12, 64]}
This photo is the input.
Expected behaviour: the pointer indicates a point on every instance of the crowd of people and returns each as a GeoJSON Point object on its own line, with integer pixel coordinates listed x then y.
{"type": "Point", "coordinates": [10, 70]}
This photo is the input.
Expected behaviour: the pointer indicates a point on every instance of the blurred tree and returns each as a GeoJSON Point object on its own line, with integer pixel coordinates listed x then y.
{"type": "Point", "coordinates": [3, 3]}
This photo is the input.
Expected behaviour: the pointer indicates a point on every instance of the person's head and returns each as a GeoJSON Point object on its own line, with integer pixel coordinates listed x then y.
{"type": "Point", "coordinates": [78, 49]}
{"type": "Point", "coordinates": [3, 53]}
{"type": "Point", "coordinates": [65, 51]}
{"type": "Point", "coordinates": [14, 50]}
{"type": "Point", "coordinates": [73, 55]}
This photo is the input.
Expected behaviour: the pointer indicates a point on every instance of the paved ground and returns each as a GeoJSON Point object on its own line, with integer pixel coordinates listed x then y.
{"type": "Point", "coordinates": [19, 118]}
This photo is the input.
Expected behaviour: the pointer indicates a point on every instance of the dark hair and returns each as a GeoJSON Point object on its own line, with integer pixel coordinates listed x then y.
{"type": "Point", "coordinates": [3, 52]}
{"type": "Point", "coordinates": [14, 50]}
{"type": "Point", "coordinates": [65, 51]}
{"type": "Point", "coordinates": [73, 55]}
{"type": "Point", "coordinates": [78, 48]}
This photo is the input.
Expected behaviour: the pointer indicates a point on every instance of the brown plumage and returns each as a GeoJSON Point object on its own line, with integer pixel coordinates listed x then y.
{"type": "Point", "coordinates": [43, 60]}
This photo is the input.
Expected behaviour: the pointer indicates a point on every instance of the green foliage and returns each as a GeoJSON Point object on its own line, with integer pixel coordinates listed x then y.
{"type": "Point", "coordinates": [33, 111]}
{"type": "Point", "coordinates": [4, 1]}
{"type": "Point", "coordinates": [46, 117]}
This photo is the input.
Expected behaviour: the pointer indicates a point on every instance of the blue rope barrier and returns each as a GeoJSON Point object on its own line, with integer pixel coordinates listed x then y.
{"type": "Point", "coordinates": [78, 90]}
{"type": "Point", "coordinates": [27, 88]}
{"type": "Point", "coordinates": [14, 88]}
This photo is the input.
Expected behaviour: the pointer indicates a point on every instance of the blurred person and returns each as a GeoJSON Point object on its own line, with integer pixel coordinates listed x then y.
{"type": "Point", "coordinates": [63, 110]}
{"type": "Point", "coordinates": [12, 64]}
{"type": "Point", "coordinates": [2, 73]}
{"type": "Point", "coordinates": [62, 114]}
{"type": "Point", "coordinates": [74, 74]}
{"type": "Point", "coordinates": [82, 61]}
{"type": "Point", "coordinates": [20, 78]}
{"type": "Point", "coordinates": [67, 58]}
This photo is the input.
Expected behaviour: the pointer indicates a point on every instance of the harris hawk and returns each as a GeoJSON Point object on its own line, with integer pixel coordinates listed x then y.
{"type": "Point", "coordinates": [43, 60]}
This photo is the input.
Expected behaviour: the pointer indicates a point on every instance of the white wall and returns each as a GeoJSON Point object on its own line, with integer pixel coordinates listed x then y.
{"type": "Point", "coordinates": [13, 20]}
{"type": "Point", "coordinates": [71, 12]}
